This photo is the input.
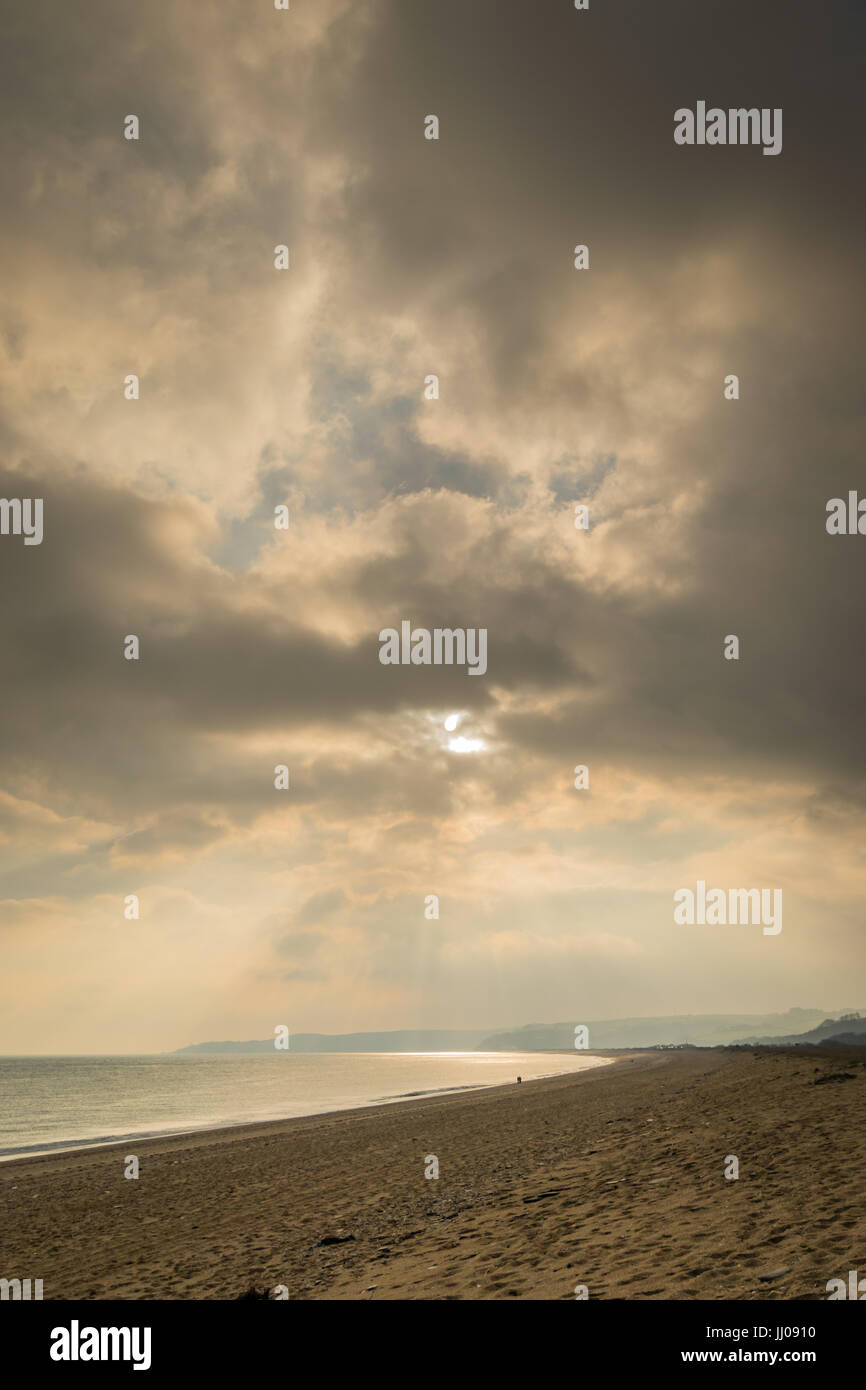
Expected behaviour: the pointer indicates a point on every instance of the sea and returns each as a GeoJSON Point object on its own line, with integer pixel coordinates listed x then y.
{"type": "Point", "coordinates": [49, 1104]}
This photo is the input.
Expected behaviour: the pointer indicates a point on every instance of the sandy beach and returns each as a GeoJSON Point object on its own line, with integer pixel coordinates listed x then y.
{"type": "Point", "coordinates": [613, 1179]}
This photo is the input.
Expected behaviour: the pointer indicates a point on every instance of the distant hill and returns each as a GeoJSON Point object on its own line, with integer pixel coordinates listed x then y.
{"type": "Point", "coordinates": [830, 1030]}
{"type": "Point", "coordinates": [404, 1040]}
{"type": "Point", "coordinates": [701, 1030]}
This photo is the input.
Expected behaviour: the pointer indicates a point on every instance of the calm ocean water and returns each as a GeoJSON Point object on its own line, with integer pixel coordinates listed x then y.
{"type": "Point", "coordinates": [49, 1103]}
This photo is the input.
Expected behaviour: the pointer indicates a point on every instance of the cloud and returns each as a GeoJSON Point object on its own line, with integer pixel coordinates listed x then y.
{"type": "Point", "coordinates": [305, 388]}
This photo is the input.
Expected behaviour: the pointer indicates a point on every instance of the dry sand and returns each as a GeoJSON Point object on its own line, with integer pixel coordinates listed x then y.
{"type": "Point", "coordinates": [613, 1178]}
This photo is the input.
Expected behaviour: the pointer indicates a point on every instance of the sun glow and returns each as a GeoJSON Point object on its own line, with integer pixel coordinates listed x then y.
{"type": "Point", "coordinates": [466, 745]}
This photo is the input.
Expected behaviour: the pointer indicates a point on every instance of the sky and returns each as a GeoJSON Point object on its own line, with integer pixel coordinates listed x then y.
{"type": "Point", "coordinates": [305, 388]}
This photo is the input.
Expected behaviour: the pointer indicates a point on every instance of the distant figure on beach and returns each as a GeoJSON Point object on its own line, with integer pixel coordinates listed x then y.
{"type": "Point", "coordinates": [520, 1078]}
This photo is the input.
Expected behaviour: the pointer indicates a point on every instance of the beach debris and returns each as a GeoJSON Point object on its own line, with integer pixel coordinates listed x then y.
{"type": "Point", "coordinates": [540, 1196]}
{"type": "Point", "coordinates": [332, 1240]}
{"type": "Point", "coordinates": [834, 1076]}
{"type": "Point", "coordinates": [775, 1273]}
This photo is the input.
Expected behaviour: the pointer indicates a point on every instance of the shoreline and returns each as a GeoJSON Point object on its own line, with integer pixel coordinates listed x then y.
{"type": "Point", "coordinates": [612, 1179]}
{"type": "Point", "coordinates": [146, 1136]}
